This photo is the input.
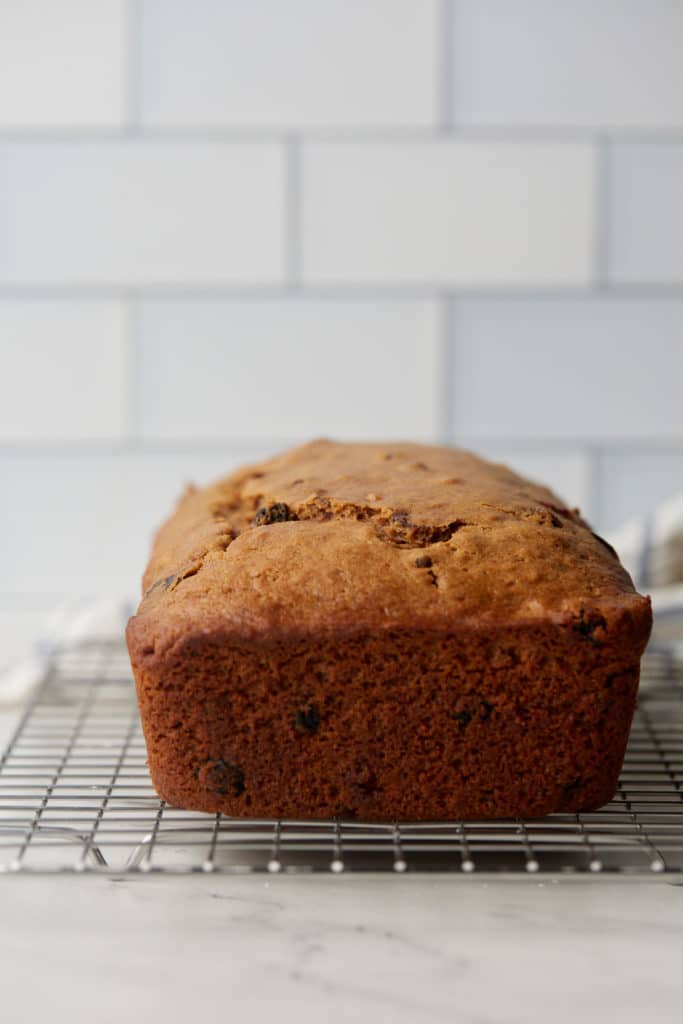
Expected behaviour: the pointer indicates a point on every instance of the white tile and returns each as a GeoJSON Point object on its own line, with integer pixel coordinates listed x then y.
{"type": "Point", "coordinates": [634, 483]}
{"type": "Point", "coordinates": [465, 213]}
{"type": "Point", "coordinates": [290, 370]}
{"type": "Point", "coordinates": [646, 213]}
{"type": "Point", "coordinates": [568, 368]}
{"type": "Point", "coordinates": [61, 64]}
{"type": "Point", "coordinates": [614, 63]}
{"type": "Point", "coordinates": [61, 370]}
{"type": "Point", "coordinates": [297, 64]}
{"type": "Point", "coordinates": [567, 473]}
{"type": "Point", "coordinates": [141, 212]}
{"type": "Point", "coordinates": [83, 524]}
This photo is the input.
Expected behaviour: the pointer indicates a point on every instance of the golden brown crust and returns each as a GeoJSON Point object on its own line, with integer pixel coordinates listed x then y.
{"type": "Point", "coordinates": [364, 521]}
{"type": "Point", "coordinates": [375, 549]}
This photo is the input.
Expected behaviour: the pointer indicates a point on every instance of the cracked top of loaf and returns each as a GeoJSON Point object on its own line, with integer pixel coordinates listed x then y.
{"type": "Point", "coordinates": [336, 537]}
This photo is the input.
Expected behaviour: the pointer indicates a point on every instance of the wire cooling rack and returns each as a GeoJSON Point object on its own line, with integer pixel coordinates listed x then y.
{"type": "Point", "coordinates": [75, 795]}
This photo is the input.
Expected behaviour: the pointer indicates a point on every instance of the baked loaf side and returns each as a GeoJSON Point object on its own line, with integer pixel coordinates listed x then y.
{"type": "Point", "coordinates": [384, 632]}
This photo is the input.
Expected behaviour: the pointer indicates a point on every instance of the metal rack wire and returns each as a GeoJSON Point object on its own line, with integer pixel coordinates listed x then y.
{"type": "Point", "coordinates": [75, 795]}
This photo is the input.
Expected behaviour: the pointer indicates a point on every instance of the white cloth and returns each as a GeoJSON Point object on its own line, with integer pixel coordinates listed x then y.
{"type": "Point", "coordinates": [651, 548]}
{"type": "Point", "coordinates": [66, 623]}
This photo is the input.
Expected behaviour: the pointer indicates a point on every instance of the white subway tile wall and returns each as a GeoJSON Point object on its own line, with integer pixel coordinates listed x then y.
{"type": "Point", "coordinates": [62, 64]}
{"type": "Point", "coordinates": [646, 212]}
{"type": "Point", "coordinates": [287, 370]}
{"type": "Point", "coordinates": [136, 213]}
{"type": "Point", "coordinates": [576, 367]}
{"type": "Point", "coordinates": [635, 479]}
{"type": "Point", "coordinates": [591, 63]}
{"type": "Point", "coordinates": [62, 370]}
{"type": "Point", "coordinates": [470, 214]}
{"type": "Point", "coordinates": [290, 64]}
{"type": "Point", "coordinates": [226, 226]}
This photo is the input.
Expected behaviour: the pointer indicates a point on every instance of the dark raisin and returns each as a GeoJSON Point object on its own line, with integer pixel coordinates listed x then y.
{"type": "Point", "coordinates": [365, 781]}
{"type": "Point", "coordinates": [222, 777]}
{"type": "Point", "coordinates": [485, 710]}
{"type": "Point", "coordinates": [570, 788]}
{"type": "Point", "coordinates": [346, 814]}
{"type": "Point", "coordinates": [307, 720]}
{"type": "Point", "coordinates": [423, 562]}
{"type": "Point", "coordinates": [588, 624]}
{"type": "Point", "coordinates": [463, 718]}
{"type": "Point", "coordinates": [605, 544]}
{"type": "Point", "coordinates": [277, 513]}
{"type": "Point", "coordinates": [555, 521]}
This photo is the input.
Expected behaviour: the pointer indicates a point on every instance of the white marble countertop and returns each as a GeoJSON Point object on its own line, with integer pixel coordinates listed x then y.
{"type": "Point", "coordinates": [324, 948]}
{"type": "Point", "coordinates": [399, 948]}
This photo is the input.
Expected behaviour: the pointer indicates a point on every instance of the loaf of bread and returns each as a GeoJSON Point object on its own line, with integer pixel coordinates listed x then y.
{"type": "Point", "coordinates": [384, 632]}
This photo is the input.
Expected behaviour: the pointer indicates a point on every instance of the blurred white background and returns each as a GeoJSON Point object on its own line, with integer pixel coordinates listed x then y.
{"type": "Point", "coordinates": [228, 225]}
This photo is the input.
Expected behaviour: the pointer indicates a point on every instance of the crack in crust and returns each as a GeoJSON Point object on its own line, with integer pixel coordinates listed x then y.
{"type": "Point", "coordinates": [239, 514]}
{"type": "Point", "coordinates": [256, 499]}
{"type": "Point", "coordinates": [392, 526]}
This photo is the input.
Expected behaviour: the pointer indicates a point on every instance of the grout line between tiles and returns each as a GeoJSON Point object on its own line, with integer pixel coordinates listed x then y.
{"type": "Point", "coordinates": [504, 134]}
{"type": "Point", "coordinates": [238, 445]}
{"type": "Point", "coordinates": [334, 292]}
